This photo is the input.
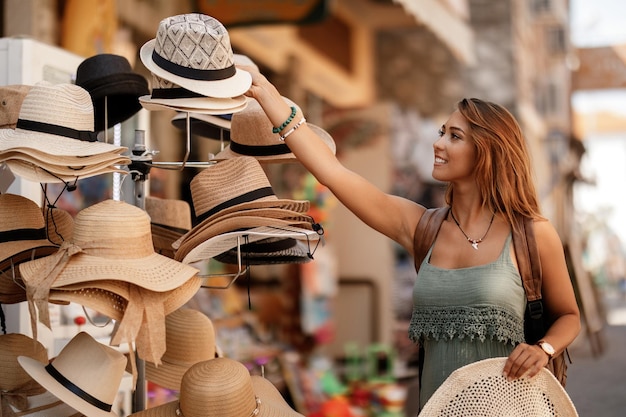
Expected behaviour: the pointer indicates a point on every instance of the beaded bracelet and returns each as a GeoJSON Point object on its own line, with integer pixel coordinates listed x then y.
{"type": "Point", "coordinates": [284, 125]}
{"type": "Point", "coordinates": [293, 129]}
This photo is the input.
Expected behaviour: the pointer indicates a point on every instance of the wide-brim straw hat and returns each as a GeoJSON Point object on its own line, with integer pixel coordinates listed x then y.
{"type": "Point", "coordinates": [194, 51]}
{"type": "Point", "coordinates": [58, 118]}
{"type": "Point", "coordinates": [67, 161]}
{"type": "Point", "coordinates": [13, 345]}
{"type": "Point", "coordinates": [235, 222]}
{"type": "Point", "coordinates": [189, 338]}
{"type": "Point", "coordinates": [86, 375]}
{"type": "Point", "coordinates": [210, 126]}
{"type": "Point", "coordinates": [11, 98]}
{"type": "Point", "coordinates": [221, 387]}
{"type": "Point", "coordinates": [112, 240]}
{"type": "Point", "coordinates": [480, 389]}
{"type": "Point", "coordinates": [251, 135]}
{"type": "Point", "coordinates": [24, 234]}
{"type": "Point", "coordinates": [109, 79]}
{"type": "Point", "coordinates": [227, 242]}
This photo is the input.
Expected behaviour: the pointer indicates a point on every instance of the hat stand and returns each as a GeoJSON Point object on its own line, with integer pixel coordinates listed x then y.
{"type": "Point", "coordinates": [233, 276]}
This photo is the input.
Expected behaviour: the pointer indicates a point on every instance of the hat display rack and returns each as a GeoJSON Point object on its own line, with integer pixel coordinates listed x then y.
{"type": "Point", "coordinates": [107, 92]}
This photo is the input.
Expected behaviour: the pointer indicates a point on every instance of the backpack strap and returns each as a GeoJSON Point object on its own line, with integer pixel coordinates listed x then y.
{"type": "Point", "coordinates": [529, 265]}
{"type": "Point", "coordinates": [426, 232]}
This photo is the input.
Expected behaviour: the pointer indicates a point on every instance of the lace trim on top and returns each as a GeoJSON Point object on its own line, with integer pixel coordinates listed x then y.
{"type": "Point", "coordinates": [482, 322]}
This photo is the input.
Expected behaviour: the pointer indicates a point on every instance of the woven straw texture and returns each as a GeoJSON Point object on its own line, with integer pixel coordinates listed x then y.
{"type": "Point", "coordinates": [13, 345]}
{"type": "Point", "coordinates": [91, 366]}
{"type": "Point", "coordinates": [221, 387]}
{"type": "Point", "coordinates": [252, 129]}
{"type": "Point", "coordinates": [199, 42]}
{"type": "Point", "coordinates": [65, 105]}
{"type": "Point", "coordinates": [11, 98]}
{"type": "Point", "coordinates": [189, 339]}
{"type": "Point", "coordinates": [479, 389]}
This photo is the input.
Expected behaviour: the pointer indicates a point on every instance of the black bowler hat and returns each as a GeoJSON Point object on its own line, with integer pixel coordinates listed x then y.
{"type": "Point", "coordinates": [110, 76]}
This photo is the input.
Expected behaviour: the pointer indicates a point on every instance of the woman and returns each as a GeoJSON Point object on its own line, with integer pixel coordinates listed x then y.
{"type": "Point", "coordinates": [468, 298]}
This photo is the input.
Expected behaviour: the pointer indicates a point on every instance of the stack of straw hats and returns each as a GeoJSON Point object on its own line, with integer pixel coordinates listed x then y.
{"type": "Point", "coordinates": [54, 139]}
{"type": "Point", "coordinates": [110, 266]}
{"type": "Point", "coordinates": [234, 203]}
{"type": "Point", "coordinates": [193, 67]}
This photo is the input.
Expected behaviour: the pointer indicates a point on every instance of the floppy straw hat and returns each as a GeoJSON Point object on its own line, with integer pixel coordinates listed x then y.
{"type": "Point", "coordinates": [206, 125]}
{"type": "Point", "coordinates": [86, 375]}
{"type": "Point", "coordinates": [22, 231]}
{"type": "Point", "coordinates": [11, 98]}
{"type": "Point", "coordinates": [194, 51]}
{"type": "Point", "coordinates": [110, 76]}
{"type": "Point", "coordinates": [111, 241]}
{"type": "Point", "coordinates": [58, 118]}
{"type": "Point", "coordinates": [44, 174]}
{"type": "Point", "coordinates": [221, 387]}
{"type": "Point", "coordinates": [251, 135]}
{"type": "Point", "coordinates": [189, 338]}
{"type": "Point", "coordinates": [480, 389]}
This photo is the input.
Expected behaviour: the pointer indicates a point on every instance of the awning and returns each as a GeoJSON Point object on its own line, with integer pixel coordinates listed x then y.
{"type": "Point", "coordinates": [448, 26]}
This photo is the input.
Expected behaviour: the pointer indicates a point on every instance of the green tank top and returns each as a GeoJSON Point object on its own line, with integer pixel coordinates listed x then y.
{"type": "Point", "coordinates": [464, 315]}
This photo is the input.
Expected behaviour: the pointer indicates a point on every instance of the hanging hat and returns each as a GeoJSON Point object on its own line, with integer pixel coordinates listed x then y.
{"type": "Point", "coordinates": [168, 96]}
{"type": "Point", "coordinates": [480, 389]}
{"type": "Point", "coordinates": [22, 231]}
{"type": "Point", "coordinates": [251, 135]}
{"type": "Point", "coordinates": [86, 375]}
{"type": "Point", "coordinates": [194, 51]}
{"type": "Point", "coordinates": [110, 76]}
{"type": "Point", "coordinates": [289, 244]}
{"type": "Point", "coordinates": [21, 395]}
{"type": "Point", "coordinates": [45, 174]}
{"type": "Point", "coordinates": [11, 98]}
{"type": "Point", "coordinates": [111, 241]}
{"type": "Point", "coordinates": [221, 387]}
{"type": "Point", "coordinates": [190, 338]}
{"type": "Point", "coordinates": [206, 125]}
{"type": "Point", "coordinates": [169, 220]}
{"type": "Point", "coordinates": [57, 118]}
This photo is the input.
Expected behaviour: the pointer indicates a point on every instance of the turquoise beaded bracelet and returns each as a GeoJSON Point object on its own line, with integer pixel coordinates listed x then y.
{"type": "Point", "coordinates": [284, 125]}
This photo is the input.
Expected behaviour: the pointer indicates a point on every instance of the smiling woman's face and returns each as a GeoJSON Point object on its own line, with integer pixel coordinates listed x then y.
{"type": "Point", "coordinates": [455, 153]}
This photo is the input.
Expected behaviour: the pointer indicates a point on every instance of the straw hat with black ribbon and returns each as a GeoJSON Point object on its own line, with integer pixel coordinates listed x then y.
{"type": "Point", "coordinates": [111, 240]}
{"type": "Point", "coordinates": [59, 226]}
{"type": "Point", "coordinates": [59, 119]}
{"type": "Point", "coordinates": [169, 220]}
{"type": "Point", "coordinates": [190, 338]}
{"type": "Point", "coordinates": [194, 51]}
{"type": "Point", "coordinates": [86, 375]}
{"type": "Point", "coordinates": [221, 387]}
{"type": "Point", "coordinates": [251, 134]}
{"type": "Point", "coordinates": [20, 394]}
{"type": "Point", "coordinates": [109, 78]}
{"type": "Point", "coordinates": [169, 96]}
{"type": "Point", "coordinates": [480, 389]}
{"type": "Point", "coordinates": [11, 98]}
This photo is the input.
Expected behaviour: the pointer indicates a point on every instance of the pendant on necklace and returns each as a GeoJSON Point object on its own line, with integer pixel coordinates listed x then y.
{"type": "Point", "coordinates": [474, 244]}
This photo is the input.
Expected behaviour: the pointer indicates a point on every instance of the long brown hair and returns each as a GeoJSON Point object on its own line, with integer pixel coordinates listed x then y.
{"type": "Point", "coordinates": [503, 167]}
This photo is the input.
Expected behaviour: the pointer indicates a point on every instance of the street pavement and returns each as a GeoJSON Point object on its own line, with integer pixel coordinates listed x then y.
{"type": "Point", "coordinates": [596, 383]}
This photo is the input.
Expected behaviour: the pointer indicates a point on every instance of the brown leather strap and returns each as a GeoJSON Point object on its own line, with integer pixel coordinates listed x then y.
{"type": "Point", "coordinates": [426, 232]}
{"type": "Point", "coordinates": [527, 255]}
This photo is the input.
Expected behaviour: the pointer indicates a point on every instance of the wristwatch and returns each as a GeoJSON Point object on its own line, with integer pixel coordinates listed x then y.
{"type": "Point", "coordinates": [547, 347]}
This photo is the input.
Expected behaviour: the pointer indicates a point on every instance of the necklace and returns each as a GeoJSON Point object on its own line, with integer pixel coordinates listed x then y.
{"type": "Point", "coordinates": [473, 242]}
